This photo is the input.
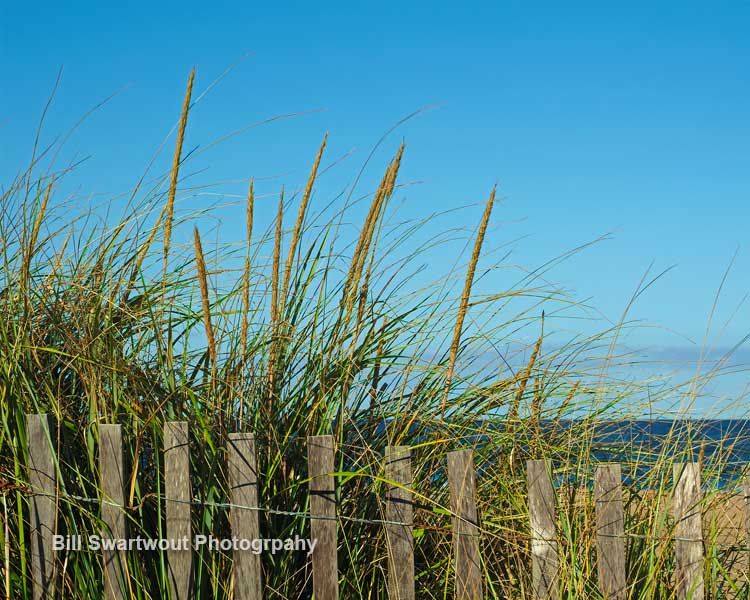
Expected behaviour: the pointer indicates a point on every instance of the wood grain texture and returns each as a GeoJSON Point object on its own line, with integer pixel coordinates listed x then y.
{"type": "Point", "coordinates": [320, 460]}
{"type": "Point", "coordinates": [688, 545]}
{"type": "Point", "coordinates": [399, 509]}
{"type": "Point", "coordinates": [179, 493]}
{"type": "Point", "coordinates": [243, 482]}
{"type": "Point", "coordinates": [542, 516]}
{"type": "Point", "coordinates": [610, 531]}
{"type": "Point", "coordinates": [43, 517]}
{"type": "Point", "coordinates": [746, 506]}
{"type": "Point", "coordinates": [462, 485]}
{"type": "Point", "coordinates": [112, 483]}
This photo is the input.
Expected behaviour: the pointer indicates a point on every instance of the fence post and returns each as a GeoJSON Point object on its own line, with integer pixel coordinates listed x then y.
{"type": "Point", "coordinates": [399, 509]}
{"type": "Point", "coordinates": [323, 517]}
{"type": "Point", "coordinates": [610, 531]}
{"type": "Point", "coordinates": [179, 494]}
{"type": "Point", "coordinates": [462, 484]}
{"type": "Point", "coordinates": [544, 560]}
{"type": "Point", "coordinates": [688, 545]}
{"type": "Point", "coordinates": [243, 481]}
{"type": "Point", "coordinates": [112, 480]}
{"type": "Point", "coordinates": [746, 490]}
{"type": "Point", "coordinates": [43, 483]}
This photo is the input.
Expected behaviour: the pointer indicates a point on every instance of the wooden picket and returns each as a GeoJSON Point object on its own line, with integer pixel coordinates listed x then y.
{"type": "Point", "coordinates": [746, 490]}
{"type": "Point", "coordinates": [542, 517]}
{"type": "Point", "coordinates": [688, 545]}
{"type": "Point", "coordinates": [399, 530]}
{"type": "Point", "coordinates": [461, 480]}
{"type": "Point", "coordinates": [610, 531]}
{"type": "Point", "coordinates": [179, 494]}
{"type": "Point", "coordinates": [245, 522]}
{"type": "Point", "coordinates": [112, 476]}
{"type": "Point", "coordinates": [320, 462]}
{"type": "Point", "coordinates": [43, 517]}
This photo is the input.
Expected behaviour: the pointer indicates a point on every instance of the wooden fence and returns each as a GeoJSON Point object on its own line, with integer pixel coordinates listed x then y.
{"type": "Point", "coordinates": [244, 520]}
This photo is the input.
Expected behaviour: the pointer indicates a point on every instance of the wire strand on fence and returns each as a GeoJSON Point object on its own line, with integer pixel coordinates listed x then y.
{"type": "Point", "coordinates": [199, 502]}
{"type": "Point", "coordinates": [306, 515]}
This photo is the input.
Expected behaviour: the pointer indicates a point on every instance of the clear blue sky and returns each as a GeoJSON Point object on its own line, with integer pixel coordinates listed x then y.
{"type": "Point", "coordinates": [592, 118]}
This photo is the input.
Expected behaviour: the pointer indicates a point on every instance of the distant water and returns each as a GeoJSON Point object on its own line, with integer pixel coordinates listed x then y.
{"type": "Point", "coordinates": [722, 443]}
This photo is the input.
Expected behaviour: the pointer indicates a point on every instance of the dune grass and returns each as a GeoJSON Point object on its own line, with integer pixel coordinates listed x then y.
{"type": "Point", "coordinates": [106, 321]}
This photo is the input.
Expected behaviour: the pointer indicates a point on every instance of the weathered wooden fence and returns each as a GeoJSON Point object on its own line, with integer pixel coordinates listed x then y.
{"type": "Point", "coordinates": [244, 519]}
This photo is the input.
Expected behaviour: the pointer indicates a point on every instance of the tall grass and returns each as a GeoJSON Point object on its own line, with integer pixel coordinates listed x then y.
{"type": "Point", "coordinates": [99, 323]}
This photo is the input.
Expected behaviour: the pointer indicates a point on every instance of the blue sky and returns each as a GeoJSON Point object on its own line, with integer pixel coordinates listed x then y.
{"type": "Point", "coordinates": [592, 119]}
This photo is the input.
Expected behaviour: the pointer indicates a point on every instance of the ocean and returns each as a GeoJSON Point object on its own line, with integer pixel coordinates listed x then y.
{"type": "Point", "coordinates": [722, 445]}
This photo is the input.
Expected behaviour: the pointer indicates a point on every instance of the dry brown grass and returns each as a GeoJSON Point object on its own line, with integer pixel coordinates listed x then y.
{"type": "Point", "coordinates": [300, 220]}
{"type": "Point", "coordinates": [362, 250]}
{"type": "Point", "coordinates": [203, 283]}
{"type": "Point", "coordinates": [246, 272]}
{"type": "Point", "coordinates": [275, 307]}
{"type": "Point", "coordinates": [176, 168]}
{"type": "Point", "coordinates": [457, 331]}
